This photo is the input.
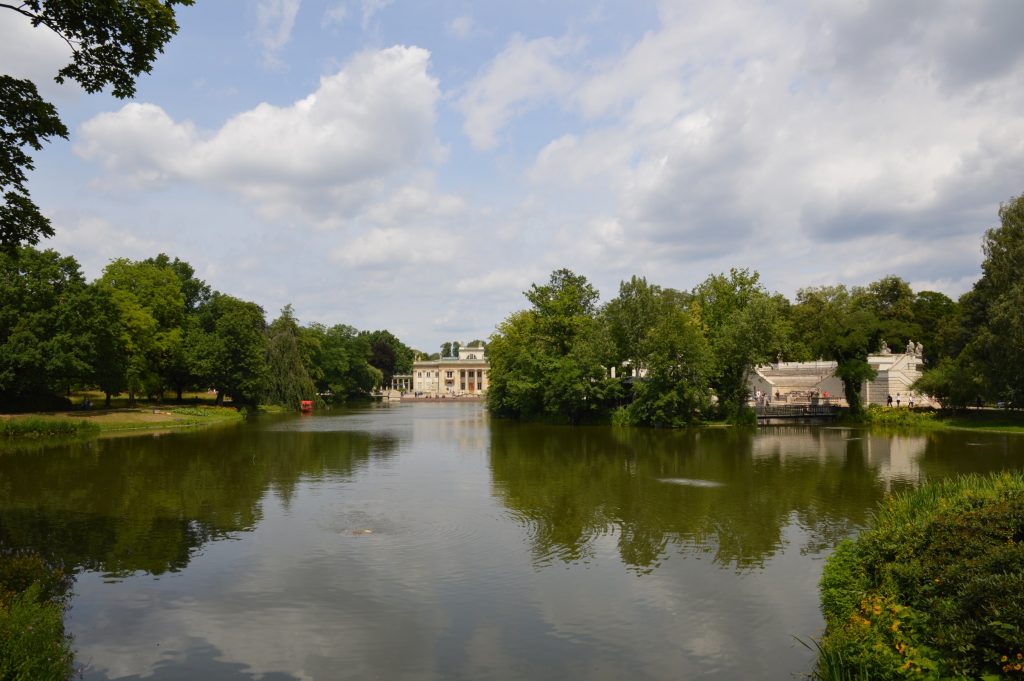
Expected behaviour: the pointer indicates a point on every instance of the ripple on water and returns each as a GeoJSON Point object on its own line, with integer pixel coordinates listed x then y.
{"type": "Point", "coordinates": [691, 482]}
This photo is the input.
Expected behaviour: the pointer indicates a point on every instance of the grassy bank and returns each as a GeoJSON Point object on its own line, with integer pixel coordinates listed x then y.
{"type": "Point", "coordinates": [934, 589]}
{"type": "Point", "coordinates": [989, 420]}
{"type": "Point", "coordinates": [99, 421]}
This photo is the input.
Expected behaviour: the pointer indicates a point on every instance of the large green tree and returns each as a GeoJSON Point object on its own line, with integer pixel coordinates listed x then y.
{"type": "Point", "coordinates": [288, 381]}
{"type": "Point", "coordinates": [388, 354]}
{"type": "Point", "coordinates": [745, 326]}
{"type": "Point", "coordinates": [890, 302]}
{"type": "Point", "coordinates": [227, 348]}
{"type": "Point", "coordinates": [152, 312]}
{"type": "Point", "coordinates": [1003, 276]}
{"type": "Point", "coordinates": [47, 340]}
{"type": "Point", "coordinates": [835, 326]}
{"type": "Point", "coordinates": [630, 318]}
{"type": "Point", "coordinates": [546, 362]}
{"type": "Point", "coordinates": [935, 314]}
{"type": "Point", "coordinates": [990, 325]}
{"type": "Point", "coordinates": [655, 333]}
{"type": "Point", "coordinates": [679, 367]}
{"type": "Point", "coordinates": [112, 44]}
{"type": "Point", "coordinates": [341, 361]}
{"type": "Point", "coordinates": [194, 292]}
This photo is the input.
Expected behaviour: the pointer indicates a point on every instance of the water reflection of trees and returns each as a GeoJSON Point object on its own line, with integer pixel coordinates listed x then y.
{"type": "Point", "coordinates": [148, 504]}
{"type": "Point", "coordinates": [574, 488]}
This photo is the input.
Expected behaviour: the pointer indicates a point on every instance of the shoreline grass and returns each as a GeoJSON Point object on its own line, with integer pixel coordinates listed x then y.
{"type": "Point", "coordinates": [21, 428]}
{"type": "Point", "coordinates": [35, 426]}
{"type": "Point", "coordinates": [985, 420]}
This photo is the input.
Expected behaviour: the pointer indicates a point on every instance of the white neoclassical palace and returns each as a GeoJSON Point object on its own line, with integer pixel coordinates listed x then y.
{"type": "Point", "coordinates": [458, 376]}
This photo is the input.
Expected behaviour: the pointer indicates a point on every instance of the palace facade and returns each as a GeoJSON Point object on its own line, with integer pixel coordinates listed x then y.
{"type": "Point", "coordinates": [465, 375]}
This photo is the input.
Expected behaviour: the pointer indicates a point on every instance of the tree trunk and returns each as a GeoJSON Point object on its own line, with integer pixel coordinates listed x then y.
{"type": "Point", "coordinates": [220, 398]}
{"type": "Point", "coordinates": [852, 391]}
{"type": "Point", "coordinates": [106, 402]}
{"type": "Point", "coordinates": [131, 398]}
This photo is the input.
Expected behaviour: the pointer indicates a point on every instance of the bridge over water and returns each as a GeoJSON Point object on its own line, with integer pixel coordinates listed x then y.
{"type": "Point", "coordinates": [796, 412]}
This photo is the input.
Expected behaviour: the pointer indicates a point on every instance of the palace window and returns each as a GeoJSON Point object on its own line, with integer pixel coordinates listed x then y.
{"type": "Point", "coordinates": [448, 374]}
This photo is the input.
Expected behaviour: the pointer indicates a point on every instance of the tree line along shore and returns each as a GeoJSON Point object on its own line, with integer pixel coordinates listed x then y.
{"type": "Point", "coordinates": [696, 348]}
{"type": "Point", "coordinates": [150, 328]}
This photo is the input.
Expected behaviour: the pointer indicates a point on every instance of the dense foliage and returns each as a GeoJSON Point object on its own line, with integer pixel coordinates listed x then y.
{"type": "Point", "coordinates": [676, 357]}
{"type": "Point", "coordinates": [984, 342]}
{"type": "Point", "coordinates": [662, 357]}
{"type": "Point", "coordinates": [151, 326]}
{"type": "Point", "coordinates": [546, 362]}
{"type": "Point", "coordinates": [934, 589]}
{"type": "Point", "coordinates": [112, 44]}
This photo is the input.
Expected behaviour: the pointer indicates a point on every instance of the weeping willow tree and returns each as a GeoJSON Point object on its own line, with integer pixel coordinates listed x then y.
{"type": "Point", "coordinates": [288, 381]}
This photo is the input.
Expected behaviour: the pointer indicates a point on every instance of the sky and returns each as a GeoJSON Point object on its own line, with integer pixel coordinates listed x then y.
{"type": "Point", "coordinates": [415, 166]}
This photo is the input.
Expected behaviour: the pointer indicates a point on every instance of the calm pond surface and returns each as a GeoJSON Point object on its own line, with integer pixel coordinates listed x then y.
{"type": "Point", "coordinates": [426, 541]}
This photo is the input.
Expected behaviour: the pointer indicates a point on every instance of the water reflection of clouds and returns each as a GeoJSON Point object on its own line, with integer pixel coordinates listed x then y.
{"type": "Point", "coordinates": [715, 633]}
{"type": "Point", "coordinates": [534, 553]}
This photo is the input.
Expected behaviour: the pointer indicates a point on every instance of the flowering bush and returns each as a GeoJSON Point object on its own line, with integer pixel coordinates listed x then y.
{"type": "Point", "coordinates": [935, 589]}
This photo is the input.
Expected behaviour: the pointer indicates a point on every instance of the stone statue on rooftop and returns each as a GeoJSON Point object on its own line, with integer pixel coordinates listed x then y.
{"type": "Point", "coordinates": [910, 347]}
{"type": "Point", "coordinates": [885, 349]}
{"type": "Point", "coordinates": [919, 350]}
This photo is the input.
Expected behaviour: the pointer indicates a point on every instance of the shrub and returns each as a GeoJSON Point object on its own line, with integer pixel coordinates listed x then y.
{"type": "Point", "coordinates": [746, 417]}
{"type": "Point", "coordinates": [20, 570]}
{"type": "Point", "coordinates": [898, 418]}
{"type": "Point", "coordinates": [934, 589]}
{"type": "Point", "coordinates": [33, 597]}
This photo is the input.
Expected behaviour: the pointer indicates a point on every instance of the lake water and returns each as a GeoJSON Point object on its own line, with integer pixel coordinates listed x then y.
{"type": "Point", "coordinates": [427, 541]}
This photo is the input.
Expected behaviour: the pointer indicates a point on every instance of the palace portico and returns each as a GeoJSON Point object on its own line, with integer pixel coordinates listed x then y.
{"type": "Point", "coordinates": [463, 375]}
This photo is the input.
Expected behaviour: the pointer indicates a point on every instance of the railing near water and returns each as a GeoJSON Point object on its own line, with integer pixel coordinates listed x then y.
{"type": "Point", "coordinates": [796, 411]}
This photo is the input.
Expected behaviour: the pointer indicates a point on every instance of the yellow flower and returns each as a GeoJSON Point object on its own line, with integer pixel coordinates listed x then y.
{"type": "Point", "coordinates": [877, 609]}
{"type": "Point", "coordinates": [895, 626]}
{"type": "Point", "coordinates": [1004, 658]}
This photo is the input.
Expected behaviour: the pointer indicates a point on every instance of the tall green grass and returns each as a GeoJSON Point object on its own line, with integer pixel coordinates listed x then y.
{"type": "Point", "coordinates": [33, 596]}
{"type": "Point", "coordinates": [43, 427]}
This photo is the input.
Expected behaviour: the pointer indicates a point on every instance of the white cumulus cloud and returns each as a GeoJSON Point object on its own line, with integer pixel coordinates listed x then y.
{"type": "Point", "coordinates": [323, 156]}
